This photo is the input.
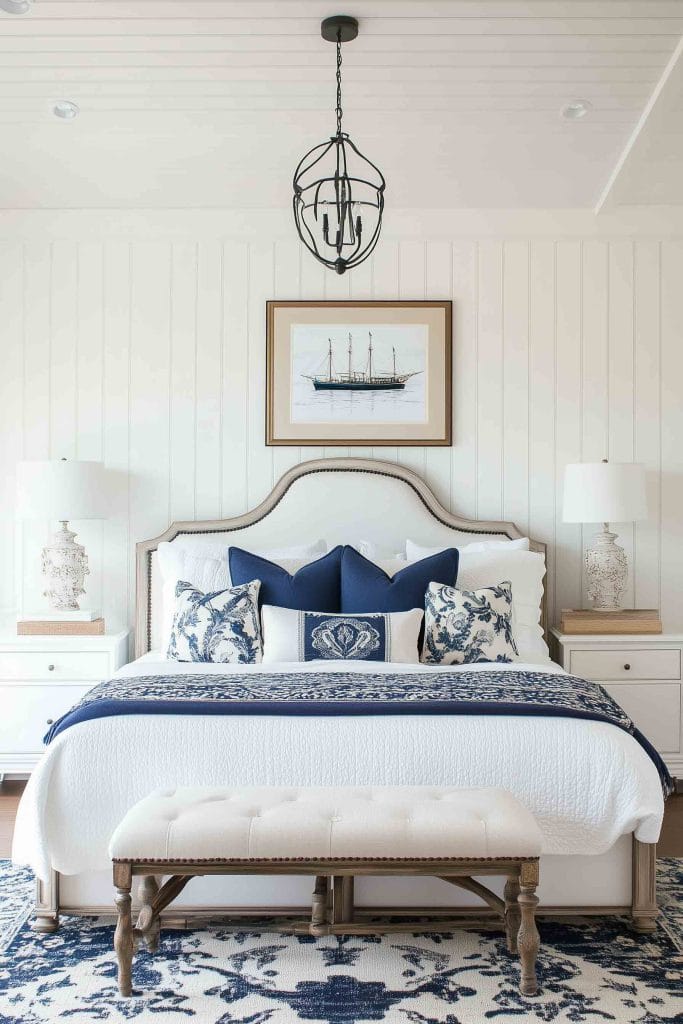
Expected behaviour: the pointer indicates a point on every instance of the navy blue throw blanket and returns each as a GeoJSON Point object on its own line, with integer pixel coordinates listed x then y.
{"type": "Point", "coordinates": [520, 693]}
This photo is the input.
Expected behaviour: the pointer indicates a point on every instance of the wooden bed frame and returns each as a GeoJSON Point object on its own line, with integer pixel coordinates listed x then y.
{"type": "Point", "coordinates": [443, 526]}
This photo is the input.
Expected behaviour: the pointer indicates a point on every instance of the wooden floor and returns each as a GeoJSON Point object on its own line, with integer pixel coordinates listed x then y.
{"type": "Point", "coordinates": [670, 844]}
{"type": "Point", "coordinates": [671, 841]}
{"type": "Point", "coordinates": [10, 792]}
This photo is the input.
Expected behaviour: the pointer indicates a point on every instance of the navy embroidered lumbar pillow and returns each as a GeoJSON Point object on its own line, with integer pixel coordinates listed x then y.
{"type": "Point", "coordinates": [365, 587]}
{"type": "Point", "coordinates": [295, 636]}
{"type": "Point", "coordinates": [222, 626]}
{"type": "Point", "coordinates": [464, 626]}
{"type": "Point", "coordinates": [315, 585]}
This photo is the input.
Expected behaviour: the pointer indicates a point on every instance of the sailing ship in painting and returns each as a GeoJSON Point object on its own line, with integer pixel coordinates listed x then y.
{"type": "Point", "coordinates": [360, 380]}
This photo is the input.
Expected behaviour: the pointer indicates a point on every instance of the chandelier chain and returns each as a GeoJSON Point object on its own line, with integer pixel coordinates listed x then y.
{"type": "Point", "coordinates": [339, 94]}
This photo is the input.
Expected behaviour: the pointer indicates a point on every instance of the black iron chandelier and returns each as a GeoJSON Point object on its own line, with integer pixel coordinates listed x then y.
{"type": "Point", "coordinates": [338, 193]}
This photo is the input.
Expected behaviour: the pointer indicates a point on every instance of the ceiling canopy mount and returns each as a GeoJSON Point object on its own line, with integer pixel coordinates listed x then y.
{"type": "Point", "coordinates": [340, 26]}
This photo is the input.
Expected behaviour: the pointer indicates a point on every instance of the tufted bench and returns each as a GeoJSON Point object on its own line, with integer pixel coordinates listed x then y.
{"type": "Point", "coordinates": [332, 834]}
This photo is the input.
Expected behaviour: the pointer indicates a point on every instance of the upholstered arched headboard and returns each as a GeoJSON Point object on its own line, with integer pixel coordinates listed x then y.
{"type": "Point", "coordinates": [339, 500]}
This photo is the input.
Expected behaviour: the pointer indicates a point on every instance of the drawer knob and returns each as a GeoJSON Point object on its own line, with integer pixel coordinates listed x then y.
{"type": "Point", "coordinates": [50, 668]}
{"type": "Point", "coordinates": [627, 667]}
{"type": "Point", "coordinates": [50, 721]}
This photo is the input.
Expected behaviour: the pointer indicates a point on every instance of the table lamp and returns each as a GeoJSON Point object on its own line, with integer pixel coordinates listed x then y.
{"type": "Point", "coordinates": [604, 492]}
{"type": "Point", "coordinates": [62, 490]}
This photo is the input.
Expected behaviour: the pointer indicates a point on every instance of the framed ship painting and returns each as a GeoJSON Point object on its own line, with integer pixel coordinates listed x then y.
{"type": "Point", "coordinates": [358, 373]}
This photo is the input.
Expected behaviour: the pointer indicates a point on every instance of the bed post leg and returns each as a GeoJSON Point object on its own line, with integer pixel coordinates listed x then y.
{"type": "Point", "coordinates": [45, 924]}
{"type": "Point", "coordinates": [644, 910]}
{"type": "Point", "coordinates": [46, 916]}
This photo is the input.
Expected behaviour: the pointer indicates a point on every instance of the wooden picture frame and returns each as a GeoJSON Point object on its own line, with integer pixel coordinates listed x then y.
{"type": "Point", "coordinates": [369, 373]}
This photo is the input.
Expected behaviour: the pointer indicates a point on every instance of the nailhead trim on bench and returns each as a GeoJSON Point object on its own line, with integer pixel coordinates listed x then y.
{"type": "Point", "coordinates": [317, 860]}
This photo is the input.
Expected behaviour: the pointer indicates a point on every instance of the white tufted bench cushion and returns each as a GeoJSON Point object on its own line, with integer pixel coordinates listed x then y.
{"type": "Point", "coordinates": [207, 823]}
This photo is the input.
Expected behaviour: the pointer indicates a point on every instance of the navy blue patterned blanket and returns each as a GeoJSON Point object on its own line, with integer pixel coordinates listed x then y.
{"type": "Point", "coordinates": [512, 692]}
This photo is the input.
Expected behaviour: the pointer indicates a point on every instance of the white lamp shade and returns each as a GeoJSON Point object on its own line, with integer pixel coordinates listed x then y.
{"type": "Point", "coordinates": [604, 492]}
{"type": "Point", "coordinates": [61, 489]}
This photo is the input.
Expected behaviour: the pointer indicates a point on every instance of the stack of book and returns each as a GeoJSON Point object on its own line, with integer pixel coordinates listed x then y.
{"type": "Point", "coordinates": [625, 620]}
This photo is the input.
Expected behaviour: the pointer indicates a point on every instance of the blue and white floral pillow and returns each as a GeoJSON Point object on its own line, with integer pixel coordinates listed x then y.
{"type": "Point", "coordinates": [294, 636]}
{"type": "Point", "coordinates": [222, 626]}
{"type": "Point", "coordinates": [464, 626]}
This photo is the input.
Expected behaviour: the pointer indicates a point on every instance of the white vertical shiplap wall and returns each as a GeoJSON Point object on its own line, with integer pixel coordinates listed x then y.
{"type": "Point", "coordinates": [151, 355]}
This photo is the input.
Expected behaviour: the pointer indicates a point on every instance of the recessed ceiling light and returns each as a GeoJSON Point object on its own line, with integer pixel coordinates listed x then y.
{"type": "Point", "coordinates": [15, 6]}
{"type": "Point", "coordinates": [575, 110]}
{"type": "Point", "coordinates": [66, 109]}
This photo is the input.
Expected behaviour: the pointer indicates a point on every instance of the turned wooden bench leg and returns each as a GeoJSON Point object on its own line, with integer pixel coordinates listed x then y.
{"type": "Point", "coordinates": [332, 904]}
{"type": "Point", "coordinates": [148, 920]}
{"type": "Point", "coordinates": [319, 905]}
{"type": "Point", "coordinates": [512, 912]}
{"type": "Point", "coordinates": [528, 940]}
{"type": "Point", "coordinates": [124, 941]}
{"type": "Point", "coordinates": [342, 899]}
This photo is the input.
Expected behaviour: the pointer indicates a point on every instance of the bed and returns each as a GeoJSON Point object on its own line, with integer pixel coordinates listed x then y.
{"type": "Point", "coordinates": [593, 787]}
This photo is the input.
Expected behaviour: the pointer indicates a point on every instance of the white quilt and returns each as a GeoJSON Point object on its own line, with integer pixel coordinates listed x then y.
{"type": "Point", "coordinates": [586, 782]}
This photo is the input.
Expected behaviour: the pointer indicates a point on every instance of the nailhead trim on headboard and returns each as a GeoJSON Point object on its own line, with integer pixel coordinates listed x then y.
{"type": "Point", "coordinates": [303, 471]}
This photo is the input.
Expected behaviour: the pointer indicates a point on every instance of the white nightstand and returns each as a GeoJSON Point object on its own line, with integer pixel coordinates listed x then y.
{"type": "Point", "coordinates": [642, 673]}
{"type": "Point", "coordinates": [40, 678]}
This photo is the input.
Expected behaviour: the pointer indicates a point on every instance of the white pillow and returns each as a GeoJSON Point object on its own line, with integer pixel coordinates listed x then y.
{"type": "Point", "coordinates": [525, 570]}
{"type": "Point", "coordinates": [375, 552]}
{"type": "Point", "coordinates": [295, 636]}
{"type": "Point", "coordinates": [205, 565]}
{"type": "Point", "coordinates": [414, 552]}
{"type": "Point", "coordinates": [388, 563]}
{"type": "Point", "coordinates": [520, 544]}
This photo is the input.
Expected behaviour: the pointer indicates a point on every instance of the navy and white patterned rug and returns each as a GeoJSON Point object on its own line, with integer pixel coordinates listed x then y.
{"type": "Point", "coordinates": [592, 971]}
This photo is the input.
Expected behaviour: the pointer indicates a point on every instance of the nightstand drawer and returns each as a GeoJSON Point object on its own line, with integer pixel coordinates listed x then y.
{"type": "Point", "coordinates": [54, 665]}
{"type": "Point", "coordinates": [26, 710]}
{"type": "Point", "coordinates": [656, 710]}
{"type": "Point", "coordinates": [626, 664]}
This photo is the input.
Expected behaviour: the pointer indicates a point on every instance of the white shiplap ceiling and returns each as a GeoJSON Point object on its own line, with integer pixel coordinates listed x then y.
{"type": "Point", "coordinates": [211, 102]}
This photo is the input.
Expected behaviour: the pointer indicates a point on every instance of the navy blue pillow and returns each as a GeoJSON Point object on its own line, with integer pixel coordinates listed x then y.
{"type": "Point", "coordinates": [367, 588]}
{"type": "Point", "coordinates": [316, 585]}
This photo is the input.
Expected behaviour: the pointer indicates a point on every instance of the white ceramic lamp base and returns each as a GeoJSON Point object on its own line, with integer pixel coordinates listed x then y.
{"type": "Point", "coordinates": [65, 566]}
{"type": "Point", "coordinates": [606, 572]}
